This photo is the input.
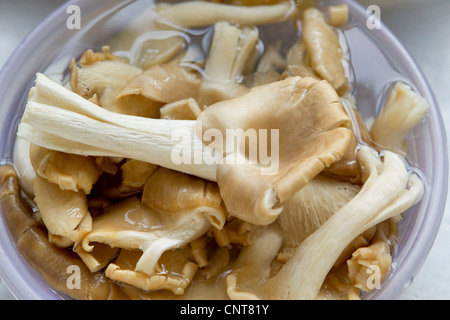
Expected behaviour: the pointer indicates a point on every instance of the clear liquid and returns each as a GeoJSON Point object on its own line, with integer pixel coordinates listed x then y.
{"type": "Point", "coordinates": [372, 72]}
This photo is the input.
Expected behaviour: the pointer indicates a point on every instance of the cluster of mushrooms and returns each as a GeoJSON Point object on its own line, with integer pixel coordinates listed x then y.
{"type": "Point", "coordinates": [93, 183]}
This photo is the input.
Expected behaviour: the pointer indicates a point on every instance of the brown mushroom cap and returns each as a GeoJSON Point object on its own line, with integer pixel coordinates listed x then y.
{"type": "Point", "coordinates": [69, 171]}
{"type": "Point", "coordinates": [164, 84]}
{"type": "Point", "coordinates": [64, 212]}
{"type": "Point", "coordinates": [101, 80]}
{"type": "Point", "coordinates": [172, 191]}
{"type": "Point", "coordinates": [310, 207]}
{"type": "Point", "coordinates": [313, 133]}
{"type": "Point", "coordinates": [174, 271]}
{"type": "Point", "coordinates": [324, 49]}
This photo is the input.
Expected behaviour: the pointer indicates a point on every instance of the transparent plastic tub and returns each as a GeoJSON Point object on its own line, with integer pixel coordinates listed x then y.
{"type": "Point", "coordinates": [378, 59]}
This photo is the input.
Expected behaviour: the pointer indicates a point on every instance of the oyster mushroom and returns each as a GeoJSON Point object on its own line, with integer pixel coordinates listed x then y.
{"type": "Point", "coordinates": [402, 112]}
{"type": "Point", "coordinates": [175, 210]}
{"type": "Point", "coordinates": [174, 272]}
{"type": "Point", "coordinates": [310, 207]}
{"type": "Point", "coordinates": [325, 52]}
{"type": "Point", "coordinates": [32, 242]}
{"type": "Point", "coordinates": [159, 51]}
{"type": "Point", "coordinates": [15, 211]}
{"type": "Point", "coordinates": [305, 116]}
{"type": "Point", "coordinates": [193, 14]}
{"type": "Point", "coordinates": [101, 80]}
{"type": "Point", "coordinates": [64, 212]}
{"type": "Point", "coordinates": [230, 50]}
{"type": "Point", "coordinates": [388, 190]}
{"type": "Point", "coordinates": [165, 83]}
{"type": "Point", "coordinates": [365, 261]}
{"type": "Point", "coordinates": [69, 171]}
{"type": "Point", "coordinates": [253, 264]}
{"type": "Point", "coordinates": [304, 108]}
{"type": "Point", "coordinates": [135, 173]}
{"type": "Point", "coordinates": [172, 191]}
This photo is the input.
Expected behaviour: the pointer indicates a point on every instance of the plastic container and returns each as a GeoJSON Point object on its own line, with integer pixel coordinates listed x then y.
{"type": "Point", "coordinates": [378, 59]}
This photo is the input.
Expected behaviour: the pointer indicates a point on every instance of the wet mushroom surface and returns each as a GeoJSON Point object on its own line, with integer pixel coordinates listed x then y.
{"type": "Point", "coordinates": [246, 172]}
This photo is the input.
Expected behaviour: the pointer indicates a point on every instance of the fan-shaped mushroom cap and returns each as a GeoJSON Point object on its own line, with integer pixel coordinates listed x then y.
{"type": "Point", "coordinates": [164, 84]}
{"type": "Point", "coordinates": [133, 226]}
{"type": "Point", "coordinates": [69, 171]}
{"type": "Point", "coordinates": [174, 271]}
{"type": "Point", "coordinates": [64, 212]}
{"type": "Point", "coordinates": [172, 191]}
{"type": "Point", "coordinates": [402, 112]}
{"type": "Point", "coordinates": [313, 132]}
{"type": "Point", "coordinates": [310, 207]}
{"type": "Point", "coordinates": [308, 127]}
{"type": "Point", "coordinates": [176, 209]}
{"type": "Point", "coordinates": [324, 49]}
{"type": "Point", "coordinates": [388, 190]}
{"type": "Point", "coordinates": [101, 81]}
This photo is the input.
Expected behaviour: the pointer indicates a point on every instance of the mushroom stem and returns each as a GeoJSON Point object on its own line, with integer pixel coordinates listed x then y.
{"type": "Point", "coordinates": [231, 50]}
{"type": "Point", "coordinates": [194, 14]}
{"type": "Point", "coordinates": [58, 119]}
{"type": "Point", "coordinates": [309, 130]}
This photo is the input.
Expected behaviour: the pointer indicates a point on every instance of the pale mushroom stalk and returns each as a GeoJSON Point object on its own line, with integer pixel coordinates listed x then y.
{"type": "Point", "coordinates": [230, 48]}
{"type": "Point", "coordinates": [58, 119]}
{"type": "Point", "coordinates": [23, 166]}
{"type": "Point", "coordinates": [403, 112]}
{"type": "Point", "coordinates": [193, 14]}
{"type": "Point", "coordinates": [338, 15]}
{"type": "Point", "coordinates": [304, 117]}
{"type": "Point", "coordinates": [253, 264]}
{"type": "Point", "coordinates": [388, 192]}
{"type": "Point", "coordinates": [229, 53]}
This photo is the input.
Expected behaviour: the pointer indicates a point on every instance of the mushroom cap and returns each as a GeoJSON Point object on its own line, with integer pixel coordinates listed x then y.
{"type": "Point", "coordinates": [176, 209]}
{"type": "Point", "coordinates": [164, 83]}
{"type": "Point", "coordinates": [324, 49]}
{"type": "Point", "coordinates": [64, 212]}
{"type": "Point", "coordinates": [310, 207]}
{"type": "Point", "coordinates": [174, 271]}
{"type": "Point", "coordinates": [69, 171]}
{"type": "Point", "coordinates": [101, 79]}
{"type": "Point", "coordinates": [312, 129]}
{"type": "Point", "coordinates": [172, 191]}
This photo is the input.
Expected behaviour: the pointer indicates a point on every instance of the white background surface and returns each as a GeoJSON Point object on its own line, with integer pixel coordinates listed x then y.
{"type": "Point", "coordinates": [422, 26]}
